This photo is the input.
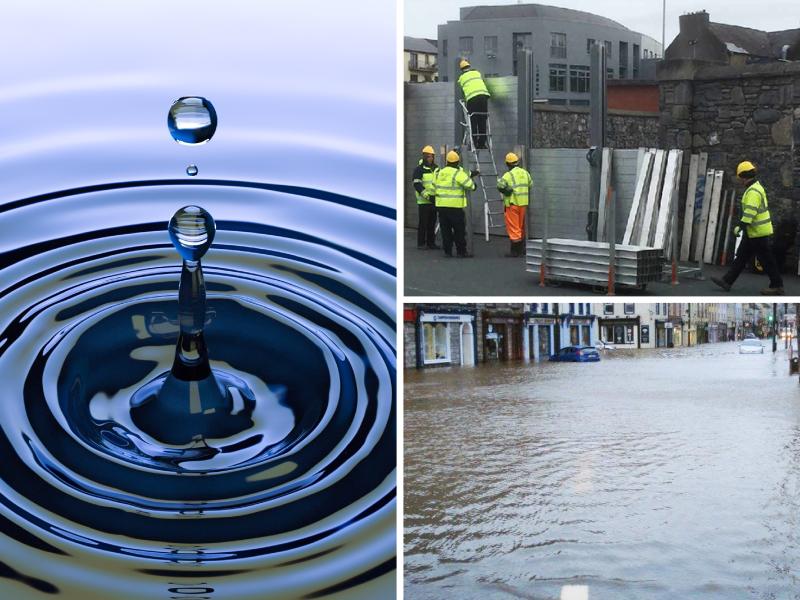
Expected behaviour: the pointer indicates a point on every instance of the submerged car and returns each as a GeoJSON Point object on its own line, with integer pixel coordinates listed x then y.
{"type": "Point", "coordinates": [576, 354]}
{"type": "Point", "coordinates": [751, 346]}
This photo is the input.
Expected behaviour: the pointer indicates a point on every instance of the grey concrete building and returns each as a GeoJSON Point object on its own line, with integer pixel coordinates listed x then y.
{"type": "Point", "coordinates": [560, 38]}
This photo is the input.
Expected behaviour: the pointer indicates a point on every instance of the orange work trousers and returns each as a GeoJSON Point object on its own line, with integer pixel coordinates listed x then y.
{"type": "Point", "coordinates": [515, 222]}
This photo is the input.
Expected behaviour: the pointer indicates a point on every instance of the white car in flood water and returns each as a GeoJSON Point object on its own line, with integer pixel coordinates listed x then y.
{"type": "Point", "coordinates": [751, 346]}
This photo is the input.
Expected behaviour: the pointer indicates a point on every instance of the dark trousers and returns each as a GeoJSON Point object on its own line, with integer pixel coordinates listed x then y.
{"type": "Point", "coordinates": [426, 231]}
{"type": "Point", "coordinates": [478, 104]}
{"type": "Point", "coordinates": [453, 223]}
{"type": "Point", "coordinates": [760, 248]}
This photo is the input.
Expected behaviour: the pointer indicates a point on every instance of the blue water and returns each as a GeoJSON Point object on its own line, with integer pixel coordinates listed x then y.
{"type": "Point", "coordinates": [300, 280]}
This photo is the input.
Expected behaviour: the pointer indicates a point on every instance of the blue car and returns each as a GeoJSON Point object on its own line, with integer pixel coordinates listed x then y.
{"type": "Point", "coordinates": [576, 354]}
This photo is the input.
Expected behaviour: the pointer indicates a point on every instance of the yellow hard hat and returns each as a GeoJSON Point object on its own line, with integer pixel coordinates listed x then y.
{"type": "Point", "coordinates": [428, 150]}
{"type": "Point", "coordinates": [453, 156]}
{"type": "Point", "coordinates": [463, 64]}
{"type": "Point", "coordinates": [512, 158]}
{"type": "Point", "coordinates": [744, 167]}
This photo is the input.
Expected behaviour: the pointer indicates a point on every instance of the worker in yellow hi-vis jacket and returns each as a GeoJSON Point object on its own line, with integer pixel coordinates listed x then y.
{"type": "Point", "coordinates": [476, 96]}
{"type": "Point", "coordinates": [756, 226]}
{"type": "Point", "coordinates": [515, 185]}
{"type": "Point", "coordinates": [450, 187]}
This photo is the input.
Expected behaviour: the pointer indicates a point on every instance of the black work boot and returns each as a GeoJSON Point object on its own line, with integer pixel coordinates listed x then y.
{"type": "Point", "coordinates": [722, 283]}
{"type": "Point", "coordinates": [772, 291]}
{"type": "Point", "coordinates": [512, 252]}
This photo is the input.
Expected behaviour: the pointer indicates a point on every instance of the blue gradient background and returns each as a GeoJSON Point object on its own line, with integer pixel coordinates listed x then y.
{"type": "Point", "coordinates": [310, 86]}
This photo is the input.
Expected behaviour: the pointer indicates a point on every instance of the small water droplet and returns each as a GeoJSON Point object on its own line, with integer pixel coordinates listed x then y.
{"type": "Point", "coordinates": [192, 230]}
{"type": "Point", "coordinates": [192, 120]}
{"type": "Point", "coordinates": [191, 170]}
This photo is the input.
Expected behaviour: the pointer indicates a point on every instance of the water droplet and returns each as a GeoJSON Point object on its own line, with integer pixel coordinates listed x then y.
{"type": "Point", "coordinates": [191, 170]}
{"type": "Point", "coordinates": [192, 120]}
{"type": "Point", "coordinates": [192, 230]}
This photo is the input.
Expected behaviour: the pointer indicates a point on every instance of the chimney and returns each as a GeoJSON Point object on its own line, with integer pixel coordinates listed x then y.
{"type": "Point", "coordinates": [694, 24]}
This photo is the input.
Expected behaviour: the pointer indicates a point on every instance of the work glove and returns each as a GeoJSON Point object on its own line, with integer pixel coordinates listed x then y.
{"type": "Point", "coordinates": [737, 231]}
{"type": "Point", "coordinates": [428, 195]}
{"type": "Point", "coordinates": [474, 173]}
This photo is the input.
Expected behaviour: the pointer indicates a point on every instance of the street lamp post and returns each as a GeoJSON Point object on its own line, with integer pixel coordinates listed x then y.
{"type": "Point", "coordinates": [774, 327]}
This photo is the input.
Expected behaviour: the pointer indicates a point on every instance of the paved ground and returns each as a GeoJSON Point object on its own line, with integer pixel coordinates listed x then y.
{"type": "Point", "coordinates": [430, 273]}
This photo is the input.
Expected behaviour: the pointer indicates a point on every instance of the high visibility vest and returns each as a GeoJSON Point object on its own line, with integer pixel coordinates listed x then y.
{"type": "Point", "coordinates": [426, 181]}
{"type": "Point", "coordinates": [472, 84]}
{"type": "Point", "coordinates": [451, 185]}
{"type": "Point", "coordinates": [755, 212]}
{"type": "Point", "coordinates": [519, 181]}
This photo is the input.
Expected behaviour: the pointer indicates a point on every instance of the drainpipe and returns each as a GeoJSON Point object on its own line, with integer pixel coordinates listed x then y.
{"type": "Point", "coordinates": [418, 327]}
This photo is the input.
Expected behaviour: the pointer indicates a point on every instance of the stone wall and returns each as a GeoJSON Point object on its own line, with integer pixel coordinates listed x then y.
{"type": "Point", "coordinates": [737, 113]}
{"type": "Point", "coordinates": [568, 127]}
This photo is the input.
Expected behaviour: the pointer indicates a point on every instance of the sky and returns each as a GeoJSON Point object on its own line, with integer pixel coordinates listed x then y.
{"type": "Point", "coordinates": [422, 16]}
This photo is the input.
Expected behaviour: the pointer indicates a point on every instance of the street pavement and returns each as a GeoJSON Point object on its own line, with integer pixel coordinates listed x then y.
{"type": "Point", "coordinates": [489, 273]}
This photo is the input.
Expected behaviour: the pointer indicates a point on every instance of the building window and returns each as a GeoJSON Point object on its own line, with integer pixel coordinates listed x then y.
{"type": "Point", "coordinates": [414, 78]}
{"type": "Point", "coordinates": [519, 41]}
{"type": "Point", "coordinates": [537, 80]}
{"type": "Point", "coordinates": [623, 60]}
{"type": "Point", "coordinates": [545, 308]}
{"type": "Point", "coordinates": [589, 43]}
{"type": "Point", "coordinates": [579, 77]}
{"type": "Point", "coordinates": [658, 309]}
{"type": "Point", "coordinates": [413, 61]}
{"type": "Point", "coordinates": [534, 308]}
{"type": "Point", "coordinates": [572, 308]}
{"type": "Point", "coordinates": [579, 103]}
{"type": "Point", "coordinates": [465, 46]}
{"type": "Point", "coordinates": [629, 308]}
{"type": "Point", "coordinates": [588, 308]}
{"type": "Point", "coordinates": [436, 342]}
{"type": "Point", "coordinates": [490, 46]}
{"type": "Point", "coordinates": [580, 308]}
{"type": "Point", "coordinates": [610, 73]}
{"type": "Point", "coordinates": [608, 308]}
{"type": "Point", "coordinates": [558, 78]}
{"type": "Point", "coordinates": [636, 61]}
{"type": "Point", "coordinates": [574, 335]}
{"type": "Point", "coordinates": [629, 334]}
{"type": "Point", "coordinates": [608, 46]}
{"type": "Point", "coordinates": [665, 307]}
{"type": "Point", "coordinates": [558, 45]}
{"type": "Point", "coordinates": [444, 48]}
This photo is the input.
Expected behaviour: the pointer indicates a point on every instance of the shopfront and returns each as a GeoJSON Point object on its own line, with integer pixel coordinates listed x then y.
{"type": "Point", "coordinates": [446, 339]}
{"type": "Point", "coordinates": [541, 336]}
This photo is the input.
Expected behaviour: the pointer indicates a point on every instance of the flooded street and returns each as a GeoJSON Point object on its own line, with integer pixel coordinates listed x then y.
{"type": "Point", "coordinates": [664, 474]}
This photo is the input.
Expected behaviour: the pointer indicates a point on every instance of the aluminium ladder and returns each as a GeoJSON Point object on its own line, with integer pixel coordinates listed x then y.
{"type": "Point", "coordinates": [483, 159]}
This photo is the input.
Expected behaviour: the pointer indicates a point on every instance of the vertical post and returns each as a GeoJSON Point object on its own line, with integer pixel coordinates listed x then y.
{"type": "Point", "coordinates": [612, 238]}
{"type": "Point", "coordinates": [545, 232]}
{"type": "Point", "coordinates": [525, 93]}
{"type": "Point", "coordinates": [774, 327]}
{"type": "Point", "coordinates": [785, 325]}
{"type": "Point", "coordinates": [597, 132]}
{"type": "Point", "coordinates": [675, 249]}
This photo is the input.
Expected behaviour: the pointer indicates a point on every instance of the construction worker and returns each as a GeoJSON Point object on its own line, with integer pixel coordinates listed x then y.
{"type": "Point", "coordinates": [423, 188]}
{"type": "Point", "coordinates": [450, 187]}
{"type": "Point", "coordinates": [515, 185]}
{"type": "Point", "coordinates": [476, 95]}
{"type": "Point", "coordinates": [756, 227]}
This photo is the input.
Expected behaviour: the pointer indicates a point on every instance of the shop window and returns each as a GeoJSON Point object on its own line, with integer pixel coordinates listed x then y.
{"type": "Point", "coordinates": [436, 342]}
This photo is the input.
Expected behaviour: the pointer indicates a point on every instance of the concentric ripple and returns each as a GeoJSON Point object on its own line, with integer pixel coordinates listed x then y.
{"type": "Point", "coordinates": [302, 503]}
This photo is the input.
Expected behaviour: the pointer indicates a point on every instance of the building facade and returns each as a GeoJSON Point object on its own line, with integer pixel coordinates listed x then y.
{"type": "Point", "coordinates": [420, 60]}
{"type": "Point", "coordinates": [560, 39]}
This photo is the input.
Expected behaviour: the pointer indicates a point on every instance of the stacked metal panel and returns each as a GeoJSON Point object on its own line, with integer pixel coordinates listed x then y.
{"type": "Point", "coordinates": [581, 261]}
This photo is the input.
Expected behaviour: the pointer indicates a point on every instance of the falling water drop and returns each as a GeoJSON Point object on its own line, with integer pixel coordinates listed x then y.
{"type": "Point", "coordinates": [192, 230]}
{"type": "Point", "coordinates": [191, 170]}
{"type": "Point", "coordinates": [192, 120]}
